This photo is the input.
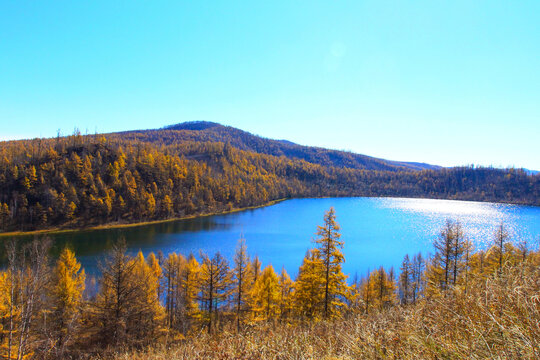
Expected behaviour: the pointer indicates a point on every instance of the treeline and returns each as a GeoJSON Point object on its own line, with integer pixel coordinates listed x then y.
{"type": "Point", "coordinates": [55, 312]}
{"type": "Point", "coordinates": [80, 181]}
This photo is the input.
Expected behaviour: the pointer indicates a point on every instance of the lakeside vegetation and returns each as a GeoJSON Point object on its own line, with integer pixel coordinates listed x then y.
{"type": "Point", "coordinates": [86, 181]}
{"type": "Point", "coordinates": [458, 303]}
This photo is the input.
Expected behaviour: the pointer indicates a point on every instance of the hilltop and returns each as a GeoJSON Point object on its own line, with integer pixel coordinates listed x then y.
{"type": "Point", "coordinates": [206, 131]}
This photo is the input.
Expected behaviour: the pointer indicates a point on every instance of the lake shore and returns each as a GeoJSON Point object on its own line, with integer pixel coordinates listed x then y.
{"type": "Point", "coordinates": [135, 224]}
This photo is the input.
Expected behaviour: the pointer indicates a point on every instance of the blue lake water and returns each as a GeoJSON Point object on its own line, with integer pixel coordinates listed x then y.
{"type": "Point", "coordinates": [376, 231]}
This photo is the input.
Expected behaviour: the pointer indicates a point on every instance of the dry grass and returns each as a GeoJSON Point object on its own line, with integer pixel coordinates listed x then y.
{"type": "Point", "coordinates": [497, 318]}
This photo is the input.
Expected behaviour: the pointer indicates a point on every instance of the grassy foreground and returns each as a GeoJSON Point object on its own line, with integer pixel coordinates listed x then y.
{"type": "Point", "coordinates": [497, 318]}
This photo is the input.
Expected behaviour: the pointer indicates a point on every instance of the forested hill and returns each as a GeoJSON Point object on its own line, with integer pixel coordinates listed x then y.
{"type": "Point", "coordinates": [79, 181]}
{"type": "Point", "coordinates": [205, 131]}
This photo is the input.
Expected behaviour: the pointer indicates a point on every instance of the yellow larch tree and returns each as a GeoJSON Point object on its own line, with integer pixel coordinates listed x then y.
{"type": "Point", "coordinates": [66, 293]}
{"type": "Point", "coordinates": [266, 295]}
{"type": "Point", "coordinates": [286, 288]}
{"type": "Point", "coordinates": [309, 287]}
{"type": "Point", "coordinates": [329, 251]}
{"type": "Point", "coordinates": [242, 281]}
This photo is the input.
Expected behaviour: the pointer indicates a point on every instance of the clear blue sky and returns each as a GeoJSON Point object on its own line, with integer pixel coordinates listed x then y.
{"type": "Point", "coordinates": [444, 82]}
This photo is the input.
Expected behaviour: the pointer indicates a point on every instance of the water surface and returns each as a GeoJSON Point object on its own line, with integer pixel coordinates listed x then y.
{"type": "Point", "coordinates": [376, 231]}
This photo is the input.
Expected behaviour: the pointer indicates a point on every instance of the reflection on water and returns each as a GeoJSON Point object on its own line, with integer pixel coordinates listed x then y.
{"type": "Point", "coordinates": [376, 231]}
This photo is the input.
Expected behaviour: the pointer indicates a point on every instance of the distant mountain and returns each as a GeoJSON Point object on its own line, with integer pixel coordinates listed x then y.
{"type": "Point", "coordinates": [205, 131]}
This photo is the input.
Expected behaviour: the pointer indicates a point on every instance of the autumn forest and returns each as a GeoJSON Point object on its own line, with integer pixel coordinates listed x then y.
{"type": "Point", "coordinates": [199, 168]}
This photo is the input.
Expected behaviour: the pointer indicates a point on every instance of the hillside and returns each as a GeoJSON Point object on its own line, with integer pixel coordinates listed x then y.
{"type": "Point", "coordinates": [81, 181]}
{"type": "Point", "coordinates": [204, 131]}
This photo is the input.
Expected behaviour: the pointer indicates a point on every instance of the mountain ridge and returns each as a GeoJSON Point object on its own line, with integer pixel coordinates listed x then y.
{"type": "Point", "coordinates": [208, 131]}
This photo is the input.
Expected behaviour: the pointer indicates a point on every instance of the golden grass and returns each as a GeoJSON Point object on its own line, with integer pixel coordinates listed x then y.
{"type": "Point", "coordinates": [498, 317]}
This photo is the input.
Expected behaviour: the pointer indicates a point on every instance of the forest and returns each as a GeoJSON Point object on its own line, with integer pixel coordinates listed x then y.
{"type": "Point", "coordinates": [82, 181]}
{"type": "Point", "coordinates": [459, 302]}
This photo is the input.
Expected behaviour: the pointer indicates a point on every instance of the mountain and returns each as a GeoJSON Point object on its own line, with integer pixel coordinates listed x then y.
{"type": "Point", "coordinates": [201, 168]}
{"type": "Point", "coordinates": [205, 131]}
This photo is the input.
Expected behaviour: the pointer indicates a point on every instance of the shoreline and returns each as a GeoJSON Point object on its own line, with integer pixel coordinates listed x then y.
{"type": "Point", "coordinates": [135, 224]}
{"type": "Point", "coordinates": [270, 203]}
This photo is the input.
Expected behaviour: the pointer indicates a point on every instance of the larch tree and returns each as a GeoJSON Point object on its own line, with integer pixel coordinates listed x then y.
{"type": "Point", "coordinates": [286, 288]}
{"type": "Point", "coordinates": [309, 287]}
{"type": "Point", "coordinates": [266, 295]}
{"type": "Point", "coordinates": [172, 267]}
{"type": "Point", "coordinates": [458, 251]}
{"type": "Point", "coordinates": [147, 310]}
{"type": "Point", "coordinates": [381, 289]}
{"type": "Point", "coordinates": [27, 275]}
{"type": "Point", "coordinates": [189, 282]}
{"type": "Point", "coordinates": [127, 308]}
{"type": "Point", "coordinates": [500, 242]}
{"type": "Point", "coordinates": [443, 259]}
{"type": "Point", "coordinates": [255, 269]}
{"type": "Point", "coordinates": [418, 267]}
{"type": "Point", "coordinates": [405, 280]}
{"type": "Point", "coordinates": [242, 280]}
{"type": "Point", "coordinates": [214, 285]}
{"type": "Point", "coordinates": [329, 251]}
{"type": "Point", "coordinates": [445, 266]}
{"type": "Point", "coordinates": [66, 297]}
{"type": "Point", "coordinates": [115, 298]}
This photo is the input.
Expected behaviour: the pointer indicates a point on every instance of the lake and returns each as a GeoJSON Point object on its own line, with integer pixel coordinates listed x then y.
{"type": "Point", "coordinates": [376, 231]}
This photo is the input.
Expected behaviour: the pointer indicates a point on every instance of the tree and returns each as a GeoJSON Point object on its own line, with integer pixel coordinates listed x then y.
{"type": "Point", "coordinates": [418, 268]}
{"type": "Point", "coordinates": [181, 286]}
{"type": "Point", "coordinates": [127, 309]}
{"type": "Point", "coordinates": [242, 274]}
{"type": "Point", "coordinates": [147, 309]}
{"type": "Point", "coordinates": [405, 280]}
{"type": "Point", "coordinates": [500, 240]}
{"type": "Point", "coordinates": [380, 289]}
{"type": "Point", "coordinates": [255, 269]}
{"type": "Point", "coordinates": [329, 251]}
{"type": "Point", "coordinates": [309, 287]}
{"type": "Point", "coordinates": [66, 297]}
{"type": "Point", "coordinates": [214, 285]}
{"type": "Point", "coordinates": [189, 281]}
{"type": "Point", "coordinates": [286, 288]}
{"type": "Point", "coordinates": [171, 274]}
{"type": "Point", "coordinates": [27, 275]}
{"type": "Point", "coordinates": [266, 295]}
{"type": "Point", "coordinates": [447, 263]}
{"type": "Point", "coordinates": [458, 250]}
{"type": "Point", "coordinates": [442, 261]}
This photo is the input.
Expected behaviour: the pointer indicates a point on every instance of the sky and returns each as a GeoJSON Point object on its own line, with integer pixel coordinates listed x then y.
{"type": "Point", "coordinates": [443, 82]}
